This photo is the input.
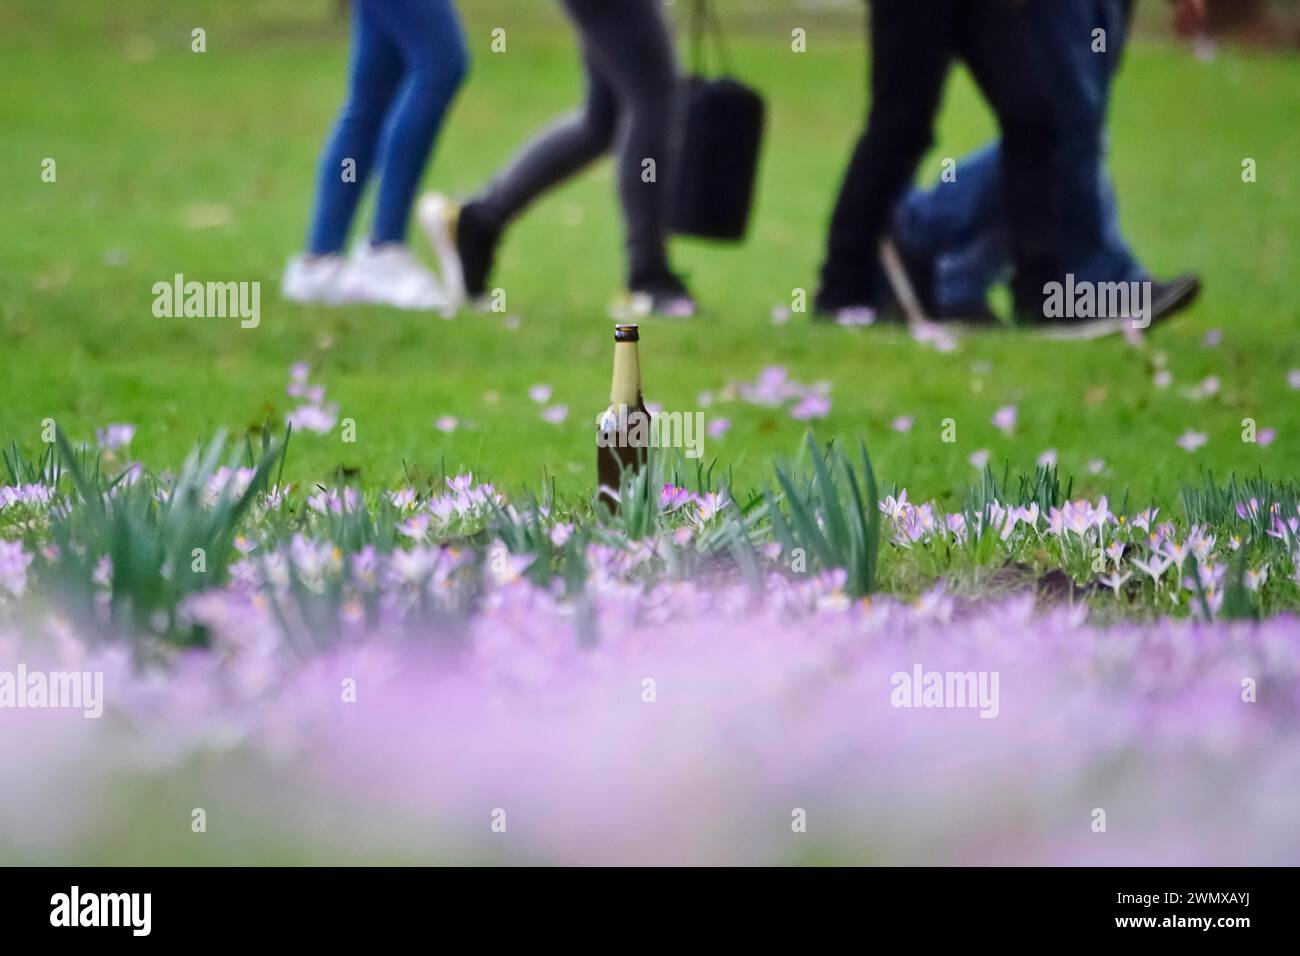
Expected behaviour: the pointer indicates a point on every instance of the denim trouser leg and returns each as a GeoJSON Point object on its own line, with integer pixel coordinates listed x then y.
{"type": "Point", "coordinates": [373, 75]}
{"type": "Point", "coordinates": [1094, 247]}
{"type": "Point", "coordinates": [408, 59]}
{"type": "Point", "coordinates": [435, 57]}
{"type": "Point", "coordinates": [961, 224]}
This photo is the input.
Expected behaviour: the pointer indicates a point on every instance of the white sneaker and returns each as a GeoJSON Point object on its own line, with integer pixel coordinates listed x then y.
{"type": "Point", "coordinates": [437, 216]}
{"type": "Point", "coordinates": [314, 279]}
{"type": "Point", "coordinates": [391, 275]}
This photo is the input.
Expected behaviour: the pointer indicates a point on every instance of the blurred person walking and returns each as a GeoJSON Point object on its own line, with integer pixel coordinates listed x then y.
{"type": "Point", "coordinates": [630, 106]}
{"type": "Point", "coordinates": [954, 237]}
{"type": "Point", "coordinates": [913, 46]}
{"type": "Point", "coordinates": [408, 60]}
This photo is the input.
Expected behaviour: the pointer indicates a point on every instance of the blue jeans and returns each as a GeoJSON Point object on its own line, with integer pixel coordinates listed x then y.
{"type": "Point", "coordinates": [961, 225]}
{"type": "Point", "coordinates": [408, 60]}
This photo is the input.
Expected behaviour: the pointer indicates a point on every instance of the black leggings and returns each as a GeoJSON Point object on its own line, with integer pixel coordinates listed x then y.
{"type": "Point", "coordinates": [631, 82]}
{"type": "Point", "coordinates": [913, 45]}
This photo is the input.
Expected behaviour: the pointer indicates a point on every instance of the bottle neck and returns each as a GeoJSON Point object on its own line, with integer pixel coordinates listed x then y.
{"type": "Point", "coordinates": [626, 388]}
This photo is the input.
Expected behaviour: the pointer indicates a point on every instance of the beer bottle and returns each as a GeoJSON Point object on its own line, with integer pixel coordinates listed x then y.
{"type": "Point", "coordinates": [623, 429]}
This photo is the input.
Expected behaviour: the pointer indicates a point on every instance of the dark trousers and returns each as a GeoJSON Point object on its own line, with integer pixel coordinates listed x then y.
{"type": "Point", "coordinates": [913, 46]}
{"type": "Point", "coordinates": [631, 95]}
{"type": "Point", "coordinates": [961, 227]}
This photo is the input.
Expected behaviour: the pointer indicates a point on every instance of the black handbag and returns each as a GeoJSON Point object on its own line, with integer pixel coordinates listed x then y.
{"type": "Point", "coordinates": [719, 142]}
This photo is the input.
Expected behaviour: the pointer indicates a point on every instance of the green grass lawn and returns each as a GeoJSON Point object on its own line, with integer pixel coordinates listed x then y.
{"type": "Point", "coordinates": [203, 164]}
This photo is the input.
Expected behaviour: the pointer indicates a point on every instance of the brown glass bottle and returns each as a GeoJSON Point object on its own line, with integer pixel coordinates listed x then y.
{"type": "Point", "coordinates": [623, 429]}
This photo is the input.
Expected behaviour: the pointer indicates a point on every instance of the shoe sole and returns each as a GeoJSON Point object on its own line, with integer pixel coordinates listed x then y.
{"type": "Point", "coordinates": [1101, 328]}
{"type": "Point", "coordinates": [437, 216]}
{"type": "Point", "coordinates": [353, 294]}
{"type": "Point", "coordinates": [334, 298]}
{"type": "Point", "coordinates": [1085, 331]}
{"type": "Point", "coordinates": [330, 296]}
{"type": "Point", "coordinates": [1183, 298]}
{"type": "Point", "coordinates": [1180, 301]}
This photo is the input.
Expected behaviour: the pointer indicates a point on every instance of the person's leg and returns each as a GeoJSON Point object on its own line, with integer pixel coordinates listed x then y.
{"type": "Point", "coordinates": [1078, 73]}
{"type": "Point", "coordinates": [954, 235]}
{"type": "Point", "coordinates": [911, 50]}
{"type": "Point", "coordinates": [1111, 259]}
{"type": "Point", "coordinates": [632, 48]}
{"type": "Point", "coordinates": [960, 226]}
{"type": "Point", "coordinates": [375, 71]}
{"type": "Point", "coordinates": [631, 90]}
{"type": "Point", "coordinates": [965, 274]}
{"type": "Point", "coordinates": [1009, 64]}
{"type": "Point", "coordinates": [559, 152]}
{"type": "Point", "coordinates": [952, 211]}
{"type": "Point", "coordinates": [432, 45]}
{"type": "Point", "coordinates": [631, 95]}
{"type": "Point", "coordinates": [1115, 260]}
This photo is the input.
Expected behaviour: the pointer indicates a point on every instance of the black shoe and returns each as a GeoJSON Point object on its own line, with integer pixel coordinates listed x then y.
{"type": "Point", "coordinates": [1170, 298]}
{"type": "Point", "coordinates": [1167, 300]}
{"type": "Point", "coordinates": [656, 292]}
{"type": "Point", "coordinates": [476, 244]}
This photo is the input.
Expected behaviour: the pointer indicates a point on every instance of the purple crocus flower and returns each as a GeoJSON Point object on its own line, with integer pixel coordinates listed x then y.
{"type": "Point", "coordinates": [811, 407]}
{"type": "Point", "coordinates": [14, 561]}
{"type": "Point", "coordinates": [114, 436]}
{"type": "Point", "coordinates": [313, 418]}
{"type": "Point", "coordinates": [670, 497]}
{"type": "Point", "coordinates": [1004, 419]}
